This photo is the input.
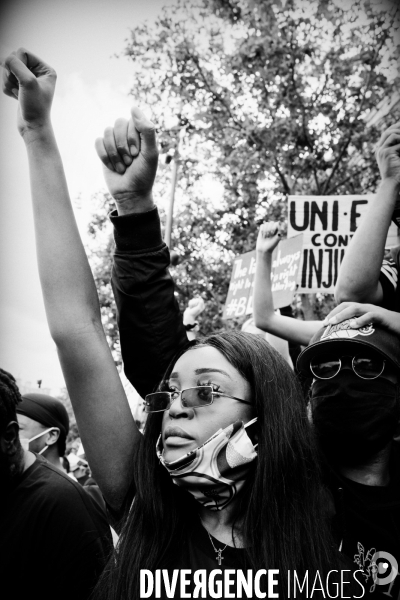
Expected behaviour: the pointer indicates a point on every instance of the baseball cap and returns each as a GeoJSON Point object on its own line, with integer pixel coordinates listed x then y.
{"type": "Point", "coordinates": [342, 338]}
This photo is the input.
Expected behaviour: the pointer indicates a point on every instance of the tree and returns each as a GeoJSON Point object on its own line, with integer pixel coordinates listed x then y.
{"type": "Point", "coordinates": [272, 100]}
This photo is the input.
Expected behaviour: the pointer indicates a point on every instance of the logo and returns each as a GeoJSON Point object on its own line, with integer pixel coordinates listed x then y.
{"type": "Point", "coordinates": [344, 331]}
{"type": "Point", "coordinates": [381, 567]}
{"type": "Point", "coordinates": [386, 565]}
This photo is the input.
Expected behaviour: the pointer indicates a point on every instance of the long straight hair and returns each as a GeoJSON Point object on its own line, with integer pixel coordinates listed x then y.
{"type": "Point", "coordinates": [281, 508]}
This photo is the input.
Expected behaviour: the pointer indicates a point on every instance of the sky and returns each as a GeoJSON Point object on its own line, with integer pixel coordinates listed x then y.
{"type": "Point", "coordinates": [79, 38]}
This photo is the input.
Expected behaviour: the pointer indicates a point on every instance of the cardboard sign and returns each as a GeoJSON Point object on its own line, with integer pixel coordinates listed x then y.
{"type": "Point", "coordinates": [285, 267]}
{"type": "Point", "coordinates": [327, 223]}
{"type": "Point", "coordinates": [240, 293]}
{"type": "Point", "coordinates": [285, 270]}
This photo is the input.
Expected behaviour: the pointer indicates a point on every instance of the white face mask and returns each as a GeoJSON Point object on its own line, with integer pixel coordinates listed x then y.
{"type": "Point", "coordinates": [215, 471]}
{"type": "Point", "coordinates": [25, 441]}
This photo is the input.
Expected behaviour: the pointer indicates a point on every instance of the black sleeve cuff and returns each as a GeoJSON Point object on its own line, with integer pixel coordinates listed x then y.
{"type": "Point", "coordinates": [389, 293]}
{"type": "Point", "coordinates": [137, 231]}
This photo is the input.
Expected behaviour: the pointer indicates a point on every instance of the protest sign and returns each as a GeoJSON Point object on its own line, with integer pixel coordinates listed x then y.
{"type": "Point", "coordinates": [327, 223]}
{"type": "Point", "coordinates": [240, 293]}
{"type": "Point", "coordinates": [285, 266]}
{"type": "Point", "coordinates": [285, 269]}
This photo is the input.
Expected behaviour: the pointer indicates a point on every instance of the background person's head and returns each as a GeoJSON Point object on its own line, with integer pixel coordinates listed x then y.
{"type": "Point", "coordinates": [78, 467]}
{"type": "Point", "coordinates": [11, 453]}
{"type": "Point", "coordinates": [44, 421]}
{"type": "Point", "coordinates": [355, 391]}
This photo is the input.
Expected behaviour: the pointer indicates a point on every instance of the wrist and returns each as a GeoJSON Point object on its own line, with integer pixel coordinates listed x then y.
{"type": "Point", "coordinates": [128, 203]}
{"type": "Point", "coordinates": [191, 326]}
{"type": "Point", "coordinates": [391, 185]}
{"type": "Point", "coordinates": [264, 253]}
{"type": "Point", "coordinates": [40, 133]}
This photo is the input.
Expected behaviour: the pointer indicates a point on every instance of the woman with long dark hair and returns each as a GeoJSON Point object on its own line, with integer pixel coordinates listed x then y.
{"type": "Point", "coordinates": [225, 475]}
{"type": "Point", "coordinates": [271, 512]}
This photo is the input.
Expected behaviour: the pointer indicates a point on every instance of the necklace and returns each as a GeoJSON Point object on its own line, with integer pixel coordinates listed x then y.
{"type": "Point", "coordinates": [218, 551]}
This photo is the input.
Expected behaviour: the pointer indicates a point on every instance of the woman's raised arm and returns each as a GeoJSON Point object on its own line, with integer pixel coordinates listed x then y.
{"type": "Point", "coordinates": [265, 317]}
{"type": "Point", "coordinates": [107, 428]}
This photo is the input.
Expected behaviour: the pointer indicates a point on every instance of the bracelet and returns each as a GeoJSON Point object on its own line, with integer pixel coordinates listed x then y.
{"type": "Point", "coordinates": [190, 326]}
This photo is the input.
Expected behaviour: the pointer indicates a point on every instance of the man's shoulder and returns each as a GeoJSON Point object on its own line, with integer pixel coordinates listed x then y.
{"type": "Point", "coordinates": [57, 487]}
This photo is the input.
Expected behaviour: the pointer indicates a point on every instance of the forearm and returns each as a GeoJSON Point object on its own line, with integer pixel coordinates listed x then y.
{"type": "Point", "coordinates": [359, 272]}
{"type": "Point", "coordinates": [68, 288]}
{"type": "Point", "coordinates": [149, 320]}
{"type": "Point", "coordinates": [265, 317]}
{"type": "Point", "coordinates": [263, 303]}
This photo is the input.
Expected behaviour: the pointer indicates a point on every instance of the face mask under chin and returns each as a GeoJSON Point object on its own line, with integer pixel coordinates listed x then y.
{"type": "Point", "coordinates": [215, 472]}
{"type": "Point", "coordinates": [354, 419]}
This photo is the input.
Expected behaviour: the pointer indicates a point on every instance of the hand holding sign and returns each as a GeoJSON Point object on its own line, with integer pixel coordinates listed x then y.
{"type": "Point", "coordinates": [268, 237]}
{"type": "Point", "coordinates": [388, 153]}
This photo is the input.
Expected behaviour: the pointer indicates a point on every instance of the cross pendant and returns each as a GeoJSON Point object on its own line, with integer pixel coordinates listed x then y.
{"type": "Point", "coordinates": [219, 557]}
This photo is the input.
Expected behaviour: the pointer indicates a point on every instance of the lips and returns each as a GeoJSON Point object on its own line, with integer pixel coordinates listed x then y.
{"type": "Point", "coordinates": [176, 432]}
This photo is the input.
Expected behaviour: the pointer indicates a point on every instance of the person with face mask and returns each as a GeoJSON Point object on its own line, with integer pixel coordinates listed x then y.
{"type": "Point", "coordinates": [355, 407]}
{"type": "Point", "coordinates": [43, 426]}
{"type": "Point", "coordinates": [54, 539]}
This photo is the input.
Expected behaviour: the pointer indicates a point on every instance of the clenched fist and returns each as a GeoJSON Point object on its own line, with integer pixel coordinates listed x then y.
{"type": "Point", "coordinates": [32, 82]}
{"type": "Point", "coordinates": [129, 155]}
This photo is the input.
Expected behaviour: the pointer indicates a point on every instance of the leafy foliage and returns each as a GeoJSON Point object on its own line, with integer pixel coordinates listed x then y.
{"type": "Point", "coordinates": [257, 99]}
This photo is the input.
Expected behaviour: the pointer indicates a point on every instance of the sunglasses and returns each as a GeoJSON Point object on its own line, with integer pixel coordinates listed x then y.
{"type": "Point", "coordinates": [196, 397]}
{"type": "Point", "coordinates": [366, 367]}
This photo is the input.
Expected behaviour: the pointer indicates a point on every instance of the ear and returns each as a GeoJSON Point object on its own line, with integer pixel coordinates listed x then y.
{"type": "Point", "coordinates": [10, 439]}
{"type": "Point", "coordinates": [52, 436]}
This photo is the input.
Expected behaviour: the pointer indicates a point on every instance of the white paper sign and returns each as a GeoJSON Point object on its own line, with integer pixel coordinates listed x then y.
{"type": "Point", "coordinates": [327, 223]}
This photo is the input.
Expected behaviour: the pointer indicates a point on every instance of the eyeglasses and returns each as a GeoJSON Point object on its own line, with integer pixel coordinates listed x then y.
{"type": "Point", "coordinates": [195, 397]}
{"type": "Point", "coordinates": [328, 366]}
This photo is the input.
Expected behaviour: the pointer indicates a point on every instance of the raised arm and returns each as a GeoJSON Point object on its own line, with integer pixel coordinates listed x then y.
{"type": "Point", "coordinates": [105, 423]}
{"type": "Point", "coordinates": [359, 272]}
{"type": "Point", "coordinates": [149, 320]}
{"type": "Point", "coordinates": [265, 317]}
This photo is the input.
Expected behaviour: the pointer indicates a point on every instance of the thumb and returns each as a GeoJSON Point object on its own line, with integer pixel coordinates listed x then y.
{"type": "Point", "coordinates": [146, 130]}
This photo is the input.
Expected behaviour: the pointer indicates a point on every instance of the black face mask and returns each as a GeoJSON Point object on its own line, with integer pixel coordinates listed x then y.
{"type": "Point", "coordinates": [354, 418]}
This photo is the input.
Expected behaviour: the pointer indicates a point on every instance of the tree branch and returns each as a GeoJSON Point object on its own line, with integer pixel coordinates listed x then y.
{"type": "Point", "coordinates": [350, 136]}
{"type": "Point", "coordinates": [351, 176]}
{"type": "Point", "coordinates": [285, 184]}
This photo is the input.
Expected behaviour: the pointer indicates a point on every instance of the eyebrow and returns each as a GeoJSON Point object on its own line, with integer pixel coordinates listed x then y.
{"type": "Point", "coordinates": [175, 375]}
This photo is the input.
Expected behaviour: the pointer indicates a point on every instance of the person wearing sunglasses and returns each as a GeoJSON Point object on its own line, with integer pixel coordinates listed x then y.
{"type": "Point", "coordinates": [225, 475]}
{"type": "Point", "coordinates": [355, 408]}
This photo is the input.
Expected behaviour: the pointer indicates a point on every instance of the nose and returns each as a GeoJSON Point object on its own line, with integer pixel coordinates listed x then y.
{"type": "Point", "coordinates": [177, 411]}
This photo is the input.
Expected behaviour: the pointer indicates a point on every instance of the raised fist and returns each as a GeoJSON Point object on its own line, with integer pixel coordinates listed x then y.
{"type": "Point", "coordinates": [32, 82]}
{"type": "Point", "coordinates": [129, 155]}
{"type": "Point", "coordinates": [388, 153]}
{"type": "Point", "coordinates": [268, 237]}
